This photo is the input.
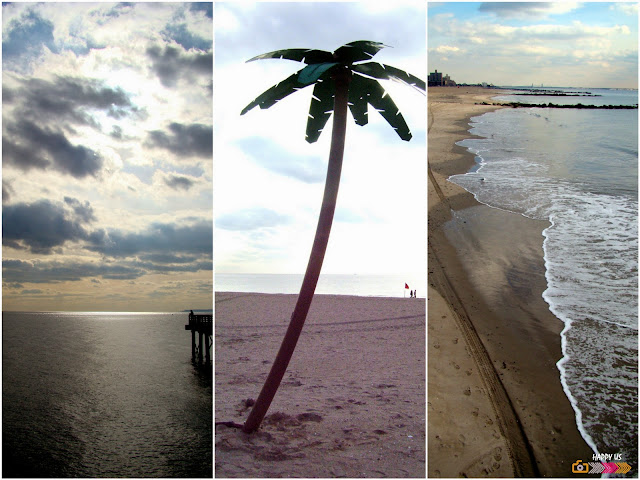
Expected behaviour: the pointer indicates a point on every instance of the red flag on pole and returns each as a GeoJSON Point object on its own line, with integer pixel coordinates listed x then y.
{"type": "Point", "coordinates": [406, 286]}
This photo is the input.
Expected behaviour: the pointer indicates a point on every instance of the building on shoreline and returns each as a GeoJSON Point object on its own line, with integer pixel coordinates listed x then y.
{"type": "Point", "coordinates": [436, 79]}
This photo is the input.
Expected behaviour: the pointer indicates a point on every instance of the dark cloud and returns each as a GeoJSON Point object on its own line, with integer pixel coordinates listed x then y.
{"type": "Point", "coordinates": [166, 258]}
{"type": "Point", "coordinates": [206, 7]}
{"type": "Point", "coordinates": [273, 157]}
{"type": "Point", "coordinates": [178, 183]}
{"type": "Point", "coordinates": [251, 219]}
{"type": "Point", "coordinates": [43, 225]}
{"type": "Point", "coordinates": [27, 146]}
{"type": "Point", "coordinates": [158, 238]}
{"type": "Point", "coordinates": [120, 8]}
{"type": "Point", "coordinates": [68, 99]}
{"type": "Point", "coordinates": [16, 273]}
{"type": "Point", "coordinates": [24, 40]}
{"type": "Point", "coordinates": [184, 140]}
{"type": "Point", "coordinates": [180, 34]}
{"type": "Point", "coordinates": [33, 291]}
{"type": "Point", "coordinates": [69, 271]}
{"type": "Point", "coordinates": [171, 64]}
{"type": "Point", "coordinates": [162, 268]}
{"type": "Point", "coordinates": [83, 211]}
{"type": "Point", "coordinates": [43, 110]}
{"type": "Point", "coordinates": [116, 132]}
{"type": "Point", "coordinates": [7, 191]}
{"type": "Point", "coordinates": [516, 9]}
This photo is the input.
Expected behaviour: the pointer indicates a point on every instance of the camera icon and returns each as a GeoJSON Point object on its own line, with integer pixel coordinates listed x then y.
{"type": "Point", "coordinates": [580, 467]}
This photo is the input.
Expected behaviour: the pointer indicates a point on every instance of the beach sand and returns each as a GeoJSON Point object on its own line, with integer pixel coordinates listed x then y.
{"type": "Point", "coordinates": [352, 403]}
{"type": "Point", "coordinates": [496, 406]}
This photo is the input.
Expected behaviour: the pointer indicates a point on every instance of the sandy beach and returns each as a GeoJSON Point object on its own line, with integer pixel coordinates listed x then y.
{"type": "Point", "coordinates": [352, 403]}
{"type": "Point", "coordinates": [496, 406]}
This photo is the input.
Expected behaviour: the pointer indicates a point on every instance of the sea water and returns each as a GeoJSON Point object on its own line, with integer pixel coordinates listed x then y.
{"type": "Point", "coordinates": [103, 395]}
{"type": "Point", "coordinates": [391, 285]}
{"type": "Point", "coordinates": [577, 169]}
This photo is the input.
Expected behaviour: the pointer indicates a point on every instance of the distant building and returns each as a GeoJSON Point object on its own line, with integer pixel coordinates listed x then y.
{"type": "Point", "coordinates": [447, 82]}
{"type": "Point", "coordinates": [435, 79]}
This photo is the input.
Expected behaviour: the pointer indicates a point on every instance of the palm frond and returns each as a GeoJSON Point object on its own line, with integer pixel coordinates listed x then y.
{"type": "Point", "coordinates": [306, 55]}
{"type": "Point", "coordinates": [387, 72]}
{"type": "Point", "coordinates": [276, 93]}
{"type": "Point", "coordinates": [311, 73]}
{"type": "Point", "coordinates": [358, 100]}
{"type": "Point", "coordinates": [321, 108]}
{"type": "Point", "coordinates": [357, 51]}
{"type": "Point", "coordinates": [384, 104]}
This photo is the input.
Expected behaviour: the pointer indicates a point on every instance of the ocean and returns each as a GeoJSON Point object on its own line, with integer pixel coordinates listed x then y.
{"type": "Point", "coordinates": [577, 169]}
{"type": "Point", "coordinates": [103, 395]}
{"type": "Point", "coordinates": [334, 284]}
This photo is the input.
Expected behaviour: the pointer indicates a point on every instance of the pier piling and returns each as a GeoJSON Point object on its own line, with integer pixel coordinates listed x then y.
{"type": "Point", "coordinates": [203, 326]}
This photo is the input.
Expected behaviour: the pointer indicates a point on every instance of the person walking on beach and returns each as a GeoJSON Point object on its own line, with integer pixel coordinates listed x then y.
{"type": "Point", "coordinates": [411, 294]}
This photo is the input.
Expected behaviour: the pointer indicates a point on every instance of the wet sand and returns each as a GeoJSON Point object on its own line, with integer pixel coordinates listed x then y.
{"type": "Point", "coordinates": [493, 343]}
{"type": "Point", "coordinates": [352, 403]}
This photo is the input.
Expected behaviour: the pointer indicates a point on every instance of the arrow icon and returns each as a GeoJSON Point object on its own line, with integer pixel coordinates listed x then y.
{"type": "Point", "coordinates": [596, 467]}
{"type": "Point", "coordinates": [610, 467]}
{"type": "Point", "coordinates": [623, 467]}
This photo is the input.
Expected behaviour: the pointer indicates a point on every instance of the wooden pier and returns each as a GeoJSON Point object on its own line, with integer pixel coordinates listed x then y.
{"type": "Point", "coordinates": [203, 326]}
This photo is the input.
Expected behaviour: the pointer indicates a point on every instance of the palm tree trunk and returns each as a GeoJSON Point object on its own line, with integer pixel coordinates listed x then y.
{"type": "Point", "coordinates": [342, 79]}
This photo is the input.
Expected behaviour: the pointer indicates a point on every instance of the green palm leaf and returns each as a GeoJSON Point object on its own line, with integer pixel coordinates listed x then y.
{"type": "Point", "coordinates": [387, 72]}
{"type": "Point", "coordinates": [363, 89]}
{"type": "Point", "coordinates": [311, 73]}
{"type": "Point", "coordinates": [358, 100]}
{"type": "Point", "coordinates": [307, 55]}
{"type": "Point", "coordinates": [357, 51]}
{"type": "Point", "coordinates": [276, 93]}
{"type": "Point", "coordinates": [321, 108]}
{"type": "Point", "coordinates": [382, 102]}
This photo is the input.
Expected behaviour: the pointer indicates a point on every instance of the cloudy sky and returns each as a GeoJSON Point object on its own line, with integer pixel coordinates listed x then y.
{"type": "Point", "coordinates": [107, 156]}
{"type": "Point", "coordinates": [560, 43]}
{"type": "Point", "coordinates": [269, 181]}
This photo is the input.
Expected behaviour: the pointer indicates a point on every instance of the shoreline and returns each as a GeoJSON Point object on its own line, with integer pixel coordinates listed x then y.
{"type": "Point", "coordinates": [345, 295]}
{"type": "Point", "coordinates": [486, 278]}
{"type": "Point", "coordinates": [352, 402]}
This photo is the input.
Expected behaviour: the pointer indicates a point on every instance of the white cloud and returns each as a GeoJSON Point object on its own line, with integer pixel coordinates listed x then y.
{"type": "Point", "coordinates": [628, 8]}
{"type": "Point", "coordinates": [446, 49]}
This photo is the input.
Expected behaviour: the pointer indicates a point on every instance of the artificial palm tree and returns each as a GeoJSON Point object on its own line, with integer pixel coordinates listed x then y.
{"type": "Point", "coordinates": [339, 82]}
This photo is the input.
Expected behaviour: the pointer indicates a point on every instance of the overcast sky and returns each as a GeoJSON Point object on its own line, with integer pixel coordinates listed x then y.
{"type": "Point", "coordinates": [269, 181]}
{"type": "Point", "coordinates": [107, 148]}
{"type": "Point", "coordinates": [523, 43]}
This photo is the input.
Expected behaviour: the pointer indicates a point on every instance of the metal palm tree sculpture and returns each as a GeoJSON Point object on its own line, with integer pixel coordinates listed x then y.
{"type": "Point", "coordinates": [340, 84]}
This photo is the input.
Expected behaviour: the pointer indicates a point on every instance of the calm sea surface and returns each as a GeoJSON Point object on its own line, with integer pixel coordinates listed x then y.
{"type": "Point", "coordinates": [103, 395]}
{"type": "Point", "coordinates": [578, 169]}
{"type": "Point", "coordinates": [359, 285]}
